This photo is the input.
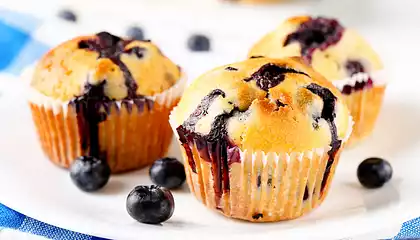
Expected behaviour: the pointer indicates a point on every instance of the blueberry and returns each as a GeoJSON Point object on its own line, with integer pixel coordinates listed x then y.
{"type": "Point", "coordinates": [90, 174]}
{"type": "Point", "coordinates": [374, 172]}
{"type": "Point", "coordinates": [150, 204]}
{"type": "Point", "coordinates": [135, 33]}
{"type": "Point", "coordinates": [199, 43]}
{"type": "Point", "coordinates": [168, 173]}
{"type": "Point", "coordinates": [68, 15]}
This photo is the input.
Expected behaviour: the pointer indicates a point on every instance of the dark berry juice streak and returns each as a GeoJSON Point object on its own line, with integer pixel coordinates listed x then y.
{"type": "Point", "coordinates": [186, 130]}
{"type": "Point", "coordinates": [215, 147]}
{"type": "Point", "coordinates": [202, 109]}
{"type": "Point", "coordinates": [306, 194]}
{"type": "Point", "coordinates": [220, 144]}
{"type": "Point", "coordinates": [316, 33]}
{"type": "Point", "coordinates": [111, 47]}
{"type": "Point", "coordinates": [328, 114]}
{"type": "Point", "coordinates": [271, 75]}
{"type": "Point", "coordinates": [89, 107]}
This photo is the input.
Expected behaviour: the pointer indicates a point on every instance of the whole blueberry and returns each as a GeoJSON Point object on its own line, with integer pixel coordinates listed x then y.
{"type": "Point", "coordinates": [150, 204]}
{"type": "Point", "coordinates": [90, 174]}
{"type": "Point", "coordinates": [199, 43]}
{"type": "Point", "coordinates": [168, 173]}
{"type": "Point", "coordinates": [374, 172]}
{"type": "Point", "coordinates": [67, 15]}
{"type": "Point", "coordinates": [135, 33]}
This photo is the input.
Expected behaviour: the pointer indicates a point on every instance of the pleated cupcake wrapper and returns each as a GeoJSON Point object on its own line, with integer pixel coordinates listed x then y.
{"type": "Point", "coordinates": [264, 187]}
{"type": "Point", "coordinates": [130, 138]}
{"type": "Point", "coordinates": [365, 104]}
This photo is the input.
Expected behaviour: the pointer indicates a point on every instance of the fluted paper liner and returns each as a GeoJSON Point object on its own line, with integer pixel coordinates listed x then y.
{"type": "Point", "coordinates": [364, 105]}
{"type": "Point", "coordinates": [264, 187]}
{"type": "Point", "coordinates": [129, 138]}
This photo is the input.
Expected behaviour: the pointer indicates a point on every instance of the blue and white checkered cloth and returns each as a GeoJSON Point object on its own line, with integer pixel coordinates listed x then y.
{"type": "Point", "coordinates": [18, 48]}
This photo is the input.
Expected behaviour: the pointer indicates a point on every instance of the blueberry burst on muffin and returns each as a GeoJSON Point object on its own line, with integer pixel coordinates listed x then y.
{"type": "Point", "coordinates": [338, 53]}
{"type": "Point", "coordinates": [95, 95]}
{"type": "Point", "coordinates": [261, 138]}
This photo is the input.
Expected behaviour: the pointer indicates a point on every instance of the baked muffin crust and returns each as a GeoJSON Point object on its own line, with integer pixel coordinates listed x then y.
{"type": "Point", "coordinates": [128, 68]}
{"type": "Point", "coordinates": [323, 43]}
{"type": "Point", "coordinates": [266, 105]}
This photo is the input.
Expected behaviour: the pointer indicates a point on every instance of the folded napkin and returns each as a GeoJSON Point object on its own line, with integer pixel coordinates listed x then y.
{"type": "Point", "coordinates": [19, 48]}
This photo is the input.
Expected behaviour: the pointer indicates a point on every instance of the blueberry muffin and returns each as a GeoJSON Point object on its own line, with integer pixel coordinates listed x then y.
{"type": "Point", "coordinates": [106, 97]}
{"type": "Point", "coordinates": [261, 138]}
{"type": "Point", "coordinates": [338, 53]}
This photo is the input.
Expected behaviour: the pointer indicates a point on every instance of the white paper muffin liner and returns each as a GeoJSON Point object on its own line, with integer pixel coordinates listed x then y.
{"type": "Point", "coordinates": [264, 187]}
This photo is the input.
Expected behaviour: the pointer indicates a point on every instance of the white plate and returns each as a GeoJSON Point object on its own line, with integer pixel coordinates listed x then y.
{"type": "Point", "coordinates": [32, 185]}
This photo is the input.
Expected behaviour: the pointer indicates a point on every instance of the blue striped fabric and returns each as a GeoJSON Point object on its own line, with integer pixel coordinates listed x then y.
{"type": "Point", "coordinates": [17, 221]}
{"type": "Point", "coordinates": [18, 49]}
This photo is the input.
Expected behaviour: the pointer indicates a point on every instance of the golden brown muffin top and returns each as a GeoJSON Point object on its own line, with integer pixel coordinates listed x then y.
{"type": "Point", "coordinates": [126, 68]}
{"type": "Point", "coordinates": [331, 49]}
{"type": "Point", "coordinates": [263, 104]}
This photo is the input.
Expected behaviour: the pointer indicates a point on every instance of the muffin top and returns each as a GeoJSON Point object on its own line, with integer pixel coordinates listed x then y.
{"type": "Point", "coordinates": [263, 104]}
{"type": "Point", "coordinates": [329, 47]}
{"type": "Point", "coordinates": [125, 68]}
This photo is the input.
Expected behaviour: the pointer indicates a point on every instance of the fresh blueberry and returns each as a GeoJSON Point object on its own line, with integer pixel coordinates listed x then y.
{"type": "Point", "coordinates": [374, 172]}
{"type": "Point", "coordinates": [168, 173]}
{"type": "Point", "coordinates": [135, 33]}
{"type": "Point", "coordinates": [68, 15]}
{"type": "Point", "coordinates": [199, 43]}
{"type": "Point", "coordinates": [90, 174]}
{"type": "Point", "coordinates": [150, 204]}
